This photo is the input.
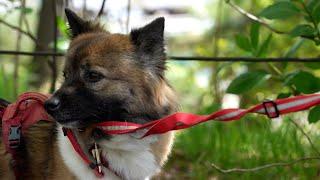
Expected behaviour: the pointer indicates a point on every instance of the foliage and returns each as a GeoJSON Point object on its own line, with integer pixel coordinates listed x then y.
{"type": "Point", "coordinates": [255, 141]}
{"type": "Point", "coordinates": [280, 10]}
{"type": "Point", "coordinates": [300, 81]}
{"type": "Point", "coordinates": [252, 142]}
{"type": "Point", "coordinates": [247, 81]}
{"type": "Point", "coordinates": [314, 115]}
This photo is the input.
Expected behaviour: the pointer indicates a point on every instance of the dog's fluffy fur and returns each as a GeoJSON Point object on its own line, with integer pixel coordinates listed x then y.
{"type": "Point", "coordinates": [107, 77]}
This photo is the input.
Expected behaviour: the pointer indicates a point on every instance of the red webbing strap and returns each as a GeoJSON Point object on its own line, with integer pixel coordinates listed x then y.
{"type": "Point", "coordinates": [17, 118]}
{"type": "Point", "coordinates": [76, 146]}
{"type": "Point", "coordinates": [27, 111]}
{"type": "Point", "coordinates": [186, 120]}
{"type": "Point", "coordinates": [2, 109]}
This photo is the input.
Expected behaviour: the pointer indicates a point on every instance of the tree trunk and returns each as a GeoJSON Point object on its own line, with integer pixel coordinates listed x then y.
{"type": "Point", "coordinates": [45, 38]}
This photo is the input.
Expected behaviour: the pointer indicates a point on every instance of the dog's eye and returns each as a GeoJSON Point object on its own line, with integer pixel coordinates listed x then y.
{"type": "Point", "coordinates": [92, 76]}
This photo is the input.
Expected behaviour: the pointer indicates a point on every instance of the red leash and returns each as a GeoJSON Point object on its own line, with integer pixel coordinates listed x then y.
{"type": "Point", "coordinates": [185, 120]}
{"type": "Point", "coordinates": [28, 110]}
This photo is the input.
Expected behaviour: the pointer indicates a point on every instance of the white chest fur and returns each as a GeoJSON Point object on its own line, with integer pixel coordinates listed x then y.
{"type": "Point", "coordinates": [128, 156]}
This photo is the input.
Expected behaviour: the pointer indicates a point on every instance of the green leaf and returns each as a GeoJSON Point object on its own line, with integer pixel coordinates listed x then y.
{"type": "Point", "coordinates": [303, 30]}
{"type": "Point", "coordinates": [305, 82]}
{"type": "Point", "coordinates": [264, 47]}
{"type": "Point", "coordinates": [283, 95]}
{"type": "Point", "coordinates": [316, 13]}
{"type": "Point", "coordinates": [280, 10]}
{"type": "Point", "coordinates": [247, 81]}
{"type": "Point", "coordinates": [25, 10]}
{"type": "Point", "coordinates": [254, 35]}
{"type": "Point", "coordinates": [314, 115]}
{"type": "Point", "coordinates": [222, 66]}
{"type": "Point", "coordinates": [312, 4]}
{"type": "Point", "coordinates": [293, 49]}
{"type": "Point", "coordinates": [307, 18]}
{"type": "Point", "coordinates": [62, 26]}
{"type": "Point", "coordinates": [243, 42]}
{"type": "Point", "coordinates": [313, 65]}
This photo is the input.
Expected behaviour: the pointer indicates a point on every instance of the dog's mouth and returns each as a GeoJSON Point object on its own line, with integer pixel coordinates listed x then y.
{"type": "Point", "coordinates": [72, 123]}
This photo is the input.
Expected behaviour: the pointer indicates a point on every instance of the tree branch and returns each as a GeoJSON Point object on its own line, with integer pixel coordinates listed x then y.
{"type": "Point", "coordinates": [100, 13]}
{"type": "Point", "coordinates": [306, 135]}
{"type": "Point", "coordinates": [28, 34]}
{"type": "Point", "coordinates": [242, 170]}
{"type": "Point", "coordinates": [253, 17]}
{"type": "Point", "coordinates": [260, 21]}
{"type": "Point", "coordinates": [314, 22]}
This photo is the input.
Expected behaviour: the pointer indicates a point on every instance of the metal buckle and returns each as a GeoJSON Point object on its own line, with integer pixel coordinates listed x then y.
{"type": "Point", "coordinates": [274, 105]}
{"type": "Point", "coordinates": [14, 136]}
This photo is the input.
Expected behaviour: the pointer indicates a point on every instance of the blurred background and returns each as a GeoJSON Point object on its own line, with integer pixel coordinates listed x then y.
{"type": "Point", "coordinates": [251, 29]}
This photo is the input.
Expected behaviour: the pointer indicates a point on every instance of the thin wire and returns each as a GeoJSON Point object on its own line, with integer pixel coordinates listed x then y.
{"type": "Point", "coordinates": [183, 58]}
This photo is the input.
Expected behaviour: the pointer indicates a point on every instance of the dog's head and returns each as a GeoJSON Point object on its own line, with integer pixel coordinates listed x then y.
{"type": "Point", "coordinates": [112, 76]}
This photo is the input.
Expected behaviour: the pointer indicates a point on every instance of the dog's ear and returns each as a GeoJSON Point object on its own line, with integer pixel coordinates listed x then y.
{"type": "Point", "coordinates": [78, 26]}
{"type": "Point", "coordinates": [149, 44]}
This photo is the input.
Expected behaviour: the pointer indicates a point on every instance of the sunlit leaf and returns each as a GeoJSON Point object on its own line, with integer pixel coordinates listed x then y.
{"type": "Point", "coordinates": [254, 35]}
{"type": "Point", "coordinates": [280, 10]}
{"type": "Point", "coordinates": [243, 42]}
{"type": "Point", "coordinates": [62, 26]}
{"type": "Point", "coordinates": [223, 66]}
{"type": "Point", "coordinates": [293, 49]}
{"type": "Point", "coordinates": [264, 47]}
{"type": "Point", "coordinates": [247, 81]}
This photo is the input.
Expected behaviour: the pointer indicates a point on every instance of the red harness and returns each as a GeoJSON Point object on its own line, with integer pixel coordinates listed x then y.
{"type": "Point", "coordinates": [28, 110]}
{"type": "Point", "coordinates": [16, 119]}
{"type": "Point", "coordinates": [76, 146]}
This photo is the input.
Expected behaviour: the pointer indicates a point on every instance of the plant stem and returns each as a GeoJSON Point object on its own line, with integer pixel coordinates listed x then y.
{"type": "Point", "coordinates": [315, 25]}
{"type": "Point", "coordinates": [238, 170]}
{"type": "Point", "coordinates": [282, 77]}
{"type": "Point", "coordinates": [306, 135]}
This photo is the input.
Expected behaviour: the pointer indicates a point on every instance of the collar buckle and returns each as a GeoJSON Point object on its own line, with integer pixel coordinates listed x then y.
{"type": "Point", "coordinates": [95, 151]}
{"type": "Point", "coordinates": [14, 136]}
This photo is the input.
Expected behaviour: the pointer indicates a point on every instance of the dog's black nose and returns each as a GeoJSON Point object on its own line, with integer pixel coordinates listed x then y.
{"type": "Point", "coordinates": [53, 104]}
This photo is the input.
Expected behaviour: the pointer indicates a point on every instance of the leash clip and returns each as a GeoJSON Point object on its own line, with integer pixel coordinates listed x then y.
{"type": "Point", "coordinates": [95, 151]}
{"type": "Point", "coordinates": [266, 105]}
{"type": "Point", "coordinates": [14, 136]}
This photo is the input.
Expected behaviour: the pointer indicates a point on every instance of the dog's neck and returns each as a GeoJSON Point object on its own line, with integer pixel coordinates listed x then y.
{"type": "Point", "coordinates": [129, 157]}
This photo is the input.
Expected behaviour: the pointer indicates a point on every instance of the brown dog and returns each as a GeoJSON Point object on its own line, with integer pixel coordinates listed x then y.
{"type": "Point", "coordinates": [107, 77]}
